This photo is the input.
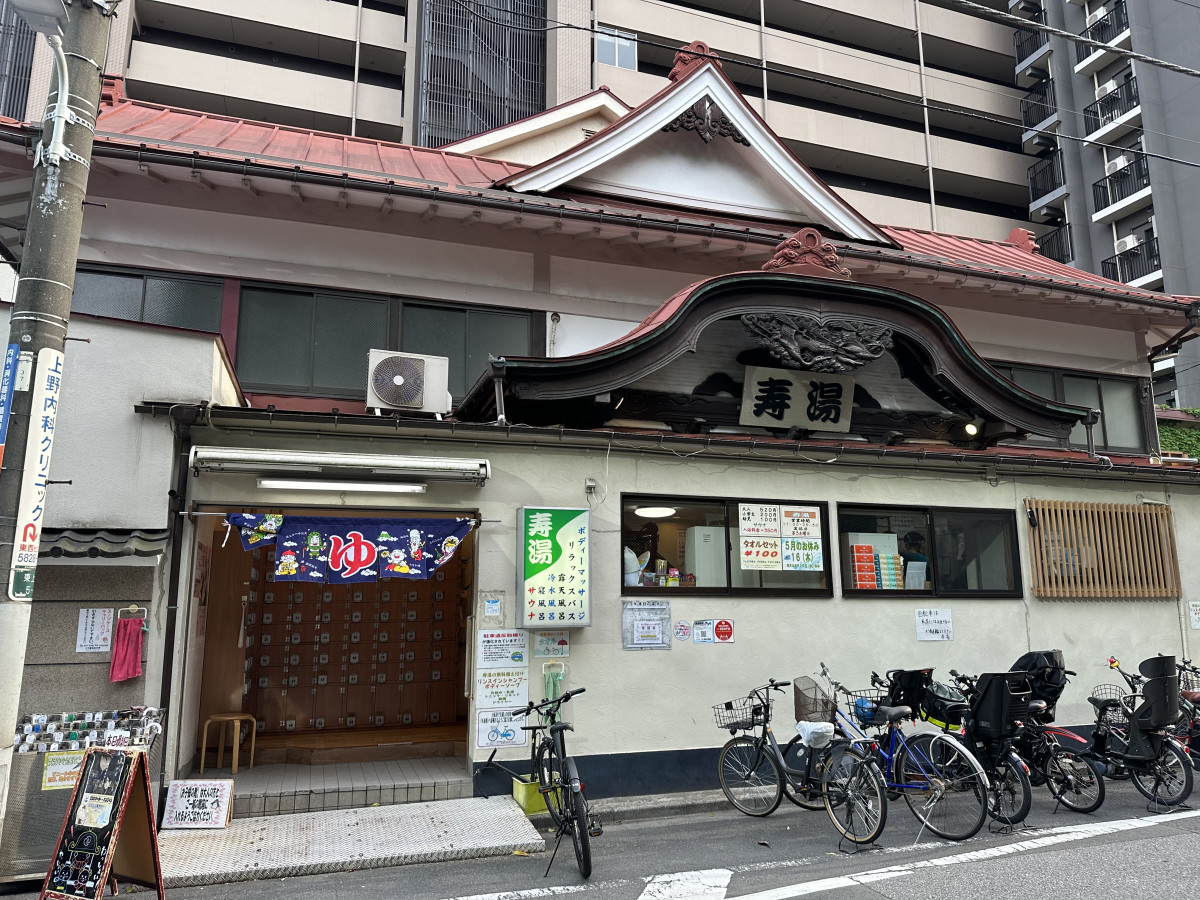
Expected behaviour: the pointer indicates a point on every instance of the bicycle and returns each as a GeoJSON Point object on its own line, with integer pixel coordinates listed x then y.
{"type": "Point", "coordinates": [753, 771]}
{"type": "Point", "coordinates": [1187, 729]}
{"type": "Point", "coordinates": [943, 784]}
{"type": "Point", "coordinates": [558, 779]}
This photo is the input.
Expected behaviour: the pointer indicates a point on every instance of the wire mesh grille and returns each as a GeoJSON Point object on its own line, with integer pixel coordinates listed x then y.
{"type": "Point", "coordinates": [483, 66]}
{"type": "Point", "coordinates": [16, 61]}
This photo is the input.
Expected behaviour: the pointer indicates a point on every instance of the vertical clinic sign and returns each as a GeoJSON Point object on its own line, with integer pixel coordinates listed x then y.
{"type": "Point", "coordinates": [31, 511]}
{"type": "Point", "coordinates": [553, 551]}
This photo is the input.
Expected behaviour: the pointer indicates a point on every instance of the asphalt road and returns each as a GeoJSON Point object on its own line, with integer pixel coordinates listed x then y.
{"type": "Point", "coordinates": [1123, 851]}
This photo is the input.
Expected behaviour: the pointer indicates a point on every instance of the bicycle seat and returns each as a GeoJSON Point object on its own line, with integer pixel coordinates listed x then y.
{"type": "Point", "coordinates": [1103, 703]}
{"type": "Point", "coordinates": [1037, 706]}
{"type": "Point", "coordinates": [561, 726]}
{"type": "Point", "coordinates": [895, 713]}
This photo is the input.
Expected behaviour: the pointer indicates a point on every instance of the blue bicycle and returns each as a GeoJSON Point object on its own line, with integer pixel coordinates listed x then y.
{"type": "Point", "coordinates": [941, 781]}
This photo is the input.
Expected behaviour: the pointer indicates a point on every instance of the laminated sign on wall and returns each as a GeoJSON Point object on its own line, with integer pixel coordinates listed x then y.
{"type": "Point", "coordinates": [552, 573]}
{"type": "Point", "coordinates": [780, 538]}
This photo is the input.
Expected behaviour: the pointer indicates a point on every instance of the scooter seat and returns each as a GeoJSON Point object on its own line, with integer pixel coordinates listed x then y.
{"type": "Point", "coordinates": [895, 713]}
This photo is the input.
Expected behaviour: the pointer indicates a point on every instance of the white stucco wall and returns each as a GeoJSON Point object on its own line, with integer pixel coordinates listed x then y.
{"type": "Point", "coordinates": [120, 462]}
{"type": "Point", "coordinates": [658, 700]}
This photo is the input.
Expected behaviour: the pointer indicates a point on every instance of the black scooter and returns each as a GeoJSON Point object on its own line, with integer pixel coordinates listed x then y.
{"type": "Point", "coordinates": [1132, 732]}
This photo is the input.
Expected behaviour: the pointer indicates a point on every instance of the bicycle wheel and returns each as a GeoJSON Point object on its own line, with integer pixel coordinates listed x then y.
{"type": "Point", "coordinates": [808, 797]}
{"type": "Point", "coordinates": [1011, 794]}
{"type": "Point", "coordinates": [944, 785]}
{"type": "Point", "coordinates": [549, 775]}
{"type": "Point", "coordinates": [750, 777]}
{"type": "Point", "coordinates": [1168, 780]}
{"type": "Point", "coordinates": [853, 792]}
{"type": "Point", "coordinates": [1073, 782]}
{"type": "Point", "coordinates": [579, 833]}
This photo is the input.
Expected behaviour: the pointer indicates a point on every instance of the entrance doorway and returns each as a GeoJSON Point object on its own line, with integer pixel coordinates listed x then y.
{"type": "Point", "coordinates": [333, 674]}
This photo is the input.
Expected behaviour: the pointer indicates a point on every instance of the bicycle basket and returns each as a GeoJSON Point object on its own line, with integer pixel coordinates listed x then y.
{"type": "Point", "coordinates": [864, 706]}
{"type": "Point", "coordinates": [742, 713]}
{"type": "Point", "coordinates": [1109, 713]}
{"type": "Point", "coordinates": [812, 703]}
{"type": "Point", "coordinates": [1189, 680]}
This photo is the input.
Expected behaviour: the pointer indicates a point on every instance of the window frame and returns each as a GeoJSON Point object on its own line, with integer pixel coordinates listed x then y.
{"type": "Point", "coordinates": [616, 36]}
{"type": "Point", "coordinates": [535, 320]}
{"type": "Point", "coordinates": [1140, 385]}
{"type": "Point", "coordinates": [730, 590]}
{"type": "Point", "coordinates": [928, 512]}
{"type": "Point", "coordinates": [144, 274]}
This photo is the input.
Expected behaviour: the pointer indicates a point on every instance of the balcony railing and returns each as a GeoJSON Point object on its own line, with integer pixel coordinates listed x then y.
{"type": "Point", "coordinates": [1026, 40]}
{"type": "Point", "coordinates": [1038, 104]}
{"type": "Point", "coordinates": [1135, 263]}
{"type": "Point", "coordinates": [1103, 30]}
{"type": "Point", "coordinates": [1121, 184]}
{"type": "Point", "coordinates": [1110, 107]}
{"type": "Point", "coordinates": [1056, 244]}
{"type": "Point", "coordinates": [1045, 176]}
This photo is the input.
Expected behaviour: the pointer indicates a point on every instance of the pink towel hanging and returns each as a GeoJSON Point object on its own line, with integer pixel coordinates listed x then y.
{"type": "Point", "coordinates": [127, 651]}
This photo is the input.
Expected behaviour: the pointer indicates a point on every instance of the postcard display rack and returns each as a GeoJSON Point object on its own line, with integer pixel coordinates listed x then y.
{"type": "Point", "coordinates": [25, 851]}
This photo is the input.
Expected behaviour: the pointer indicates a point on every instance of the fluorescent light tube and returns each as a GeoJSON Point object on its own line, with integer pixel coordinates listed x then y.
{"type": "Point", "coordinates": [367, 487]}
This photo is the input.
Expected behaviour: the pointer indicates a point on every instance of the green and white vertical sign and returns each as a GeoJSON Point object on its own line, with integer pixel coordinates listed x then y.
{"type": "Point", "coordinates": [553, 551]}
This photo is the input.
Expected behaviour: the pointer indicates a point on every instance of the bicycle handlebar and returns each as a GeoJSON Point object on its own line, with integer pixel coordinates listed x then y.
{"type": "Point", "coordinates": [876, 681]}
{"type": "Point", "coordinates": [557, 702]}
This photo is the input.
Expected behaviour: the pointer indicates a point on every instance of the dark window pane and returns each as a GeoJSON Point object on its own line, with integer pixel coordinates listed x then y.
{"type": "Point", "coordinates": [1040, 383]}
{"type": "Point", "coordinates": [494, 333]}
{"type": "Point", "coordinates": [438, 331]}
{"type": "Point", "coordinates": [275, 339]}
{"type": "Point", "coordinates": [975, 552]}
{"type": "Point", "coordinates": [183, 304]}
{"type": "Point", "coordinates": [1082, 392]}
{"type": "Point", "coordinates": [115, 296]}
{"type": "Point", "coordinates": [345, 330]}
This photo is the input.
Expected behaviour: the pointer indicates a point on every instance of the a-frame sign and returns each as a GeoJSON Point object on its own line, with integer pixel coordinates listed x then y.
{"type": "Point", "coordinates": [108, 831]}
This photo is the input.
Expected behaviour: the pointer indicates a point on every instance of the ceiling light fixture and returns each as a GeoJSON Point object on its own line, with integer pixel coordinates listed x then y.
{"type": "Point", "coordinates": [654, 512]}
{"type": "Point", "coordinates": [366, 487]}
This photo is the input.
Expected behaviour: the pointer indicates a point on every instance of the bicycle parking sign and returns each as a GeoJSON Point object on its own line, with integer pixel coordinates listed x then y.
{"type": "Point", "coordinates": [496, 728]}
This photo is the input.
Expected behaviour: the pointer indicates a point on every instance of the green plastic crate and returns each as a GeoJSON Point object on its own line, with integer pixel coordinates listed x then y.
{"type": "Point", "coordinates": [531, 800]}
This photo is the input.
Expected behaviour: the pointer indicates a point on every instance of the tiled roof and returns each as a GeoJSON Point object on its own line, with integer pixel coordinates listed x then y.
{"type": "Point", "coordinates": [139, 123]}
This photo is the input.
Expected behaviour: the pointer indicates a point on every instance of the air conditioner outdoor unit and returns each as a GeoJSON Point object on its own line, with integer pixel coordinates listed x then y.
{"type": "Point", "coordinates": [1127, 243]}
{"type": "Point", "coordinates": [1115, 165]}
{"type": "Point", "coordinates": [408, 381]}
{"type": "Point", "coordinates": [1096, 16]}
{"type": "Point", "coordinates": [1103, 90]}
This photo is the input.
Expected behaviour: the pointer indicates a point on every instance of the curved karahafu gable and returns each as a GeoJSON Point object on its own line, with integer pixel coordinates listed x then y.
{"type": "Point", "coordinates": [800, 314]}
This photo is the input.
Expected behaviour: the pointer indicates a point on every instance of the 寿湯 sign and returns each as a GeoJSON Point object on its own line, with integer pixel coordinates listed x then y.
{"type": "Point", "coordinates": [552, 568]}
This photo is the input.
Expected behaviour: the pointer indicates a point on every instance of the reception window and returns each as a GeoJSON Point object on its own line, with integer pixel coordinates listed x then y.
{"type": "Point", "coordinates": [724, 546]}
{"type": "Point", "coordinates": [927, 551]}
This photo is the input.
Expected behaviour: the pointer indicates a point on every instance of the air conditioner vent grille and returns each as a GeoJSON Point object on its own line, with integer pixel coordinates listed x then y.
{"type": "Point", "coordinates": [399, 381]}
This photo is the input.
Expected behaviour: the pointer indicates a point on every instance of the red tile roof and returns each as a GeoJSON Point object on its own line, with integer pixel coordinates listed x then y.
{"type": "Point", "coordinates": [139, 123]}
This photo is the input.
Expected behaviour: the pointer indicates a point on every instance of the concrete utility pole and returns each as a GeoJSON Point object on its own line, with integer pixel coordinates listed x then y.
{"type": "Point", "coordinates": [39, 326]}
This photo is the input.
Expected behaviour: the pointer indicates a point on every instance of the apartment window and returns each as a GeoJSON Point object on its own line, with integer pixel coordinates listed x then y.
{"type": "Point", "coordinates": [1102, 550]}
{"type": "Point", "coordinates": [928, 551]}
{"type": "Point", "coordinates": [616, 48]}
{"type": "Point", "coordinates": [1120, 426]}
{"type": "Point", "coordinates": [671, 545]}
{"type": "Point", "coordinates": [317, 343]}
{"type": "Point", "coordinates": [466, 336]}
{"type": "Point", "coordinates": [179, 302]}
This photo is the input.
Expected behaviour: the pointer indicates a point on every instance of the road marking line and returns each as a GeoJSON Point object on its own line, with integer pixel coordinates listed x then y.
{"type": "Point", "coordinates": [706, 884]}
{"type": "Point", "coordinates": [1062, 835]}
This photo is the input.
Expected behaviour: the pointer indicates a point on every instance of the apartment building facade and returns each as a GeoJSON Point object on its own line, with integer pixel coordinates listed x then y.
{"type": "Point", "coordinates": [1117, 139]}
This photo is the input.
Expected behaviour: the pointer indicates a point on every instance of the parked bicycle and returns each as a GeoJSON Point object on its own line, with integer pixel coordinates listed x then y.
{"type": "Point", "coordinates": [1187, 729]}
{"type": "Point", "coordinates": [558, 779]}
{"type": "Point", "coordinates": [753, 771]}
{"type": "Point", "coordinates": [1055, 755]}
{"type": "Point", "coordinates": [943, 784]}
{"type": "Point", "coordinates": [996, 707]}
{"type": "Point", "coordinates": [1133, 730]}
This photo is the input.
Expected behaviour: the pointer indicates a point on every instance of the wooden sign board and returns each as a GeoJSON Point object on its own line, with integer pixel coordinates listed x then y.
{"type": "Point", "coordinates": [199, 804]}
{"type": "Point", "coordinates": [108, 831]}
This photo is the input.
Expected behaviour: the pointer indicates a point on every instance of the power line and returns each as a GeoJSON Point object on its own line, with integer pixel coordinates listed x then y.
{"type": "Point", "coordinates": [984, 12]}
{"type": "Point", "coordinates": [816, 80]}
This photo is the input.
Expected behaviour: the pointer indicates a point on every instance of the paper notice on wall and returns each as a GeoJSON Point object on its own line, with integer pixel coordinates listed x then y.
{"type": "Point", "coordinates": [61, 770]}
{"type": "Point", "coordinates": [934, 625]}
{"type": "Point", "coordinates": [507, 648]}
{"type": "Point", "coordinates": [199, 804]}
{"type": "Point", "coordinates": [502, 688]}
{"type": "Point", "coordinates": [646, 625]}
{"type": "Point", "coordinates": [497, 728]}
{"type": "Point", "coordinates": [1194, 611]}
{"type": "Point", "coordinates": [551, 644]}
{"type": "Point", "coordinates": [95, 631]}
{"type": "Point", "coordinates": [800, 521]}
{"type": "Point", "coordinates": [802, 554]}
{"type": "Point", "coordinates": [760, 554]}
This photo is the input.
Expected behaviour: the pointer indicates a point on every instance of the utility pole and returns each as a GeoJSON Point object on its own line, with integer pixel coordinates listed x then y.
{"type": "Point", "coordinates": [38, 325]}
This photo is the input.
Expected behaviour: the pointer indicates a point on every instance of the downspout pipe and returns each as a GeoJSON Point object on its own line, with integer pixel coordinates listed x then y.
{"type": "Point", "coordinates": [184, 417]}
{"type": "Point", "coordinates": [357, 57]}
{"type": "Point", "coordinates": [498, 366]}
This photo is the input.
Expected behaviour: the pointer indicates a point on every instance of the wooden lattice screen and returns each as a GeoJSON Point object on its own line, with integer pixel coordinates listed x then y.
{"type": "Point", "coordinates": [1102, 550]}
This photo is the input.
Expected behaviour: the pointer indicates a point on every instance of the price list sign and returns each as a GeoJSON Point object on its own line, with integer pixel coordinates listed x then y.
{"type": "Point", "coordinates": [554, 548]}
{"type": "Point", "coordinates": [780, 538]}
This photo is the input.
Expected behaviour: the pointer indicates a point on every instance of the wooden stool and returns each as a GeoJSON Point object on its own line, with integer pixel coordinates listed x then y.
{"type": "Point", "coordinates": [237, 719]}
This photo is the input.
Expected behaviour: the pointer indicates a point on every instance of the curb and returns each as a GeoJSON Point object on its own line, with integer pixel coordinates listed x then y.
{"type": "Point", "coordinates": [612, 810]}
